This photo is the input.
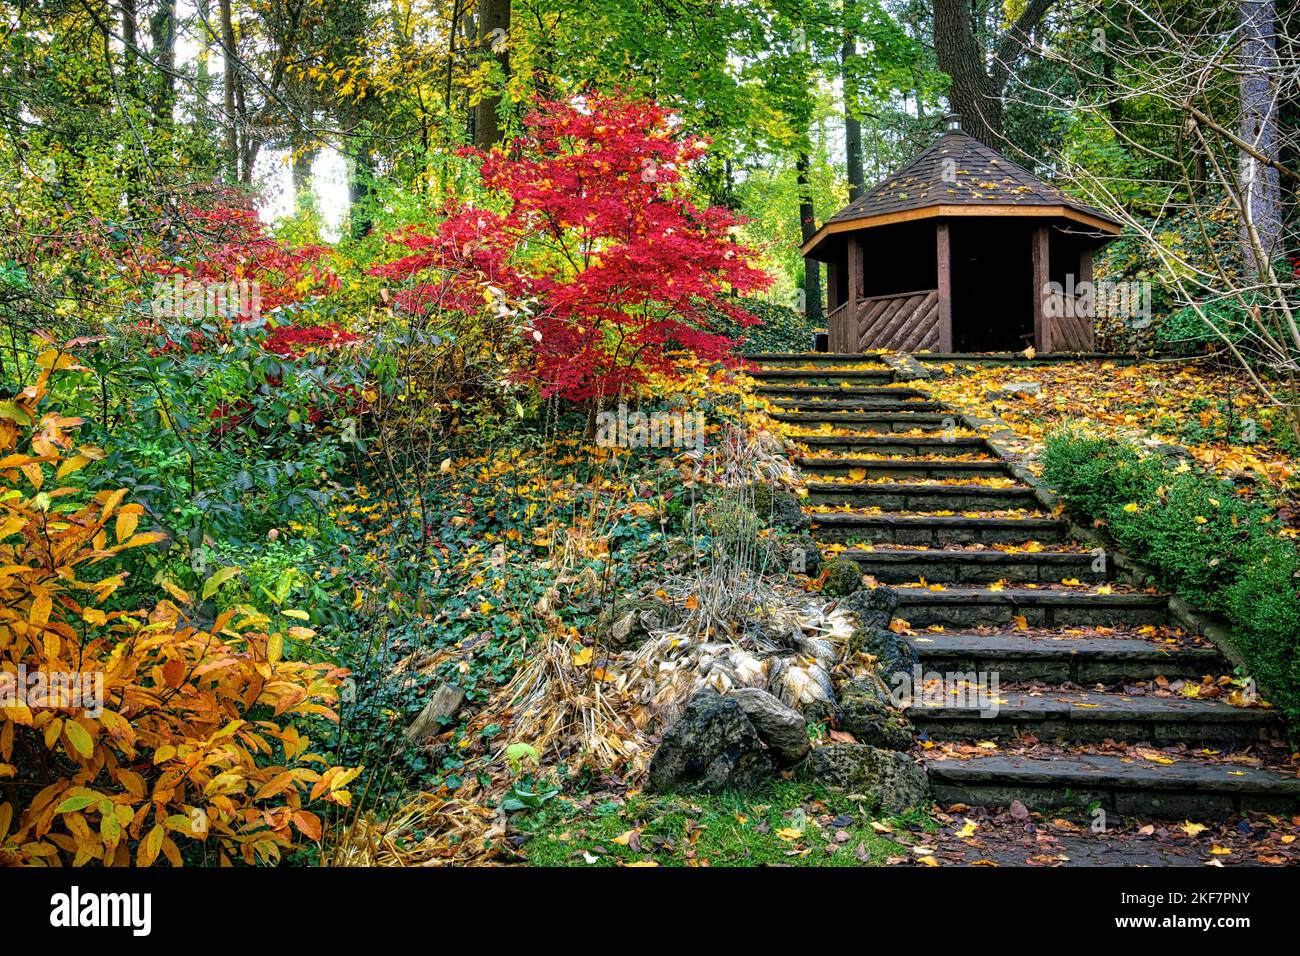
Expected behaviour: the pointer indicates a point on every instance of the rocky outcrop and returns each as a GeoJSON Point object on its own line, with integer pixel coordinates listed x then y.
{"type": "Point", "coordinates": [843, 577]}
{"type": "Point", "coordinates": [783, 729]}
{"type": "Point", "coordinates": [867, 712]}
{"type": "Point", "coordinates": [712, 747]}
{"type": "Point", "coordinates": [893, 780]}
{"type": "Point", "coordinates": [778, 507]}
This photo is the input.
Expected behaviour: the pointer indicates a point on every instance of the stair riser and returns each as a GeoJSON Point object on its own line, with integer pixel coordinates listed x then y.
{"type": "Point", "coordinates": [937, 535]}
{"type": "Point", "coordinates": [1154, 804]}
{"type": "Point", "coordinates": [870, 376]}
{"type": "Point", "coordinates": [873, 424]}
{"type": "Point", "coordinates": [821, 359]}
{"type": "Point", "coordinates": [865, 406]}
{"type": "Point", "coordinates": [982, 615]}
{"type": "Point", "coordinates": [1156, 732]}
{"type": "Point", "coordinates": [884, 445]}
{"type": "Point", "coordinates": [923, 499]}
{"type": "Point", "coordinates": [1058, 670]}
{"type": "Point", "coordinates": [943, 569]}
{"type": "Point", "coordinates": [891, 393]}
{"type": "Point", "coordinates": [904, 471]}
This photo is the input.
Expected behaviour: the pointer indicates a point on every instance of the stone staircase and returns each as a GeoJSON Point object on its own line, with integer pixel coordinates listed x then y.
{"type": "Point", "coordinates": [925, 504]}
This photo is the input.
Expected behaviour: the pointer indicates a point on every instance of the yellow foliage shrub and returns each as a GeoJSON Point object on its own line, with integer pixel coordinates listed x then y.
{"type": "Point", "coordinates": [126, 735]}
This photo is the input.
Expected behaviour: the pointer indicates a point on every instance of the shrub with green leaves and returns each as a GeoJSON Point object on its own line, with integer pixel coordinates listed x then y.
{"type": "Point", "coordinates": [1202, 540]}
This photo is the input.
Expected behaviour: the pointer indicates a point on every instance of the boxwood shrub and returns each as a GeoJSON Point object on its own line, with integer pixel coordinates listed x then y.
{"type": "Point", "coordinates": [1202, 540]}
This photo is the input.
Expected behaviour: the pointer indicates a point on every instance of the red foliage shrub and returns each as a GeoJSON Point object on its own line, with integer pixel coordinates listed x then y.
{"type": "Point", "coordinates": [608, 263]}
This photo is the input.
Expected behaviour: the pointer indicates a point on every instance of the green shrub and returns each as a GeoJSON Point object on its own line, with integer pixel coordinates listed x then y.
{"type": "Point", "coordinates": [782, 330]}
{"type": "Point", "coordinates": [1186, 332]}
{"type": "Point", "coordinates": [1202, 541]}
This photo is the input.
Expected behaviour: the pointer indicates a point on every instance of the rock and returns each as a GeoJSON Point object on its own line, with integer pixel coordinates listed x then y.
{"type": "Point", "coordinates": [894, 780]}
{"type": "Point", "coordinates": [797, 555]}
{"type": "Point", "coordinates": [778, 507]}
{"type": "Point", "coordinates": [630, 621]}
{"type": "Point", "coordinates": [1014, 390]}
{"type": "Point", "coordinates": [440, 709]}
{"type": "Point", "coordinates": [895, 657]}
{"type": "Point", "coordinates": [843, 577]}
{"type": "Point", "coordinates": [782, 728]}
{"type": "Point", "coordinates": [712, 747]}
{"type": "Point", "coordinates": [874, 607]}
{"type": "Point", "coordinates": [867, 712]}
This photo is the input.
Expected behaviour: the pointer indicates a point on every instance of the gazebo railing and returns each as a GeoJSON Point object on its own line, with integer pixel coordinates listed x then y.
{"type": "Point", "coordinates": [904, 322]}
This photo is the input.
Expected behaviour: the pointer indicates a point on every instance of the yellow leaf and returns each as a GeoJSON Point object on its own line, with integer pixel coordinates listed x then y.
{"type": "Point", "coordinates": [79, 738]}
{"type": "Point", "coordinates": [150, 847]}
{"type": "Point", "coordinates": [583, 657]}
{"type": "Point", "coordinates": [125, 527]}
{"type": "Point", "coordinates": [219, 578]}
{"type": "Point", "coordinates": [1192, 829]}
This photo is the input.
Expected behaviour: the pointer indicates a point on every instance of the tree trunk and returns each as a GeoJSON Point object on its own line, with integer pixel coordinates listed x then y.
{"type": "Point", "coordinates": [976, 90]}
{"type": "Point", "coordinates": [1260, 188]}
{"type": "Point", "coordinates": [812, 276]}
{"type": "Point", "coordinates": [493, 38]}
{"type": "Point", "coordinates": [228, 88]}
{"type": "Point", "coordinates": [852, 123]}
{"type": "Point", "coordinates": [959, 54]}
{"type": "Point", "coordinates": [162, 33]}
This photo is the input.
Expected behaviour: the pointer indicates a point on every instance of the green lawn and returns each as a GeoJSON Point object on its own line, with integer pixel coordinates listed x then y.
{"type": "Point", "coordinates": [786, 825]}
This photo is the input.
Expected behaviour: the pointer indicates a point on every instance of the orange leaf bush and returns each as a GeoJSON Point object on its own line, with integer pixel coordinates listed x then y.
{"type": "Point", "coordinates": [126, 735]}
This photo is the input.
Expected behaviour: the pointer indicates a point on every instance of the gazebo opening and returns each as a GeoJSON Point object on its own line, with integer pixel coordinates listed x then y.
{"type": "Point", "coordinates": [993, 298]}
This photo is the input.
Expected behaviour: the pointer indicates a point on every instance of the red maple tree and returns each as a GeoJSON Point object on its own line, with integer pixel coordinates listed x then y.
{"type": "Point", "coordinates": [608, 261]}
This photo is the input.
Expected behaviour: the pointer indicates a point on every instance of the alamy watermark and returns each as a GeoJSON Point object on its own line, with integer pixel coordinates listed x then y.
{"type": "Point", "coordinates": [1129, 302]}
{"type": "Point", "coordinates": [963, 690]}
{"type": "Point", "coordinates": [183, 298]}
{"type": "Point", "coordinates": [668, 429]}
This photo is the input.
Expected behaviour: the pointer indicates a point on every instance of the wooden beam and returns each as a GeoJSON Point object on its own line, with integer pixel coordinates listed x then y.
{"type": "Point", "coordinates": [949, 211]}
{"type": "Point", "coordinates": [1042, 244]}
{"type": "Point", "coordinates": [1085, 275]}
{"type": "Point", "coordinates": [853, 270]}
{"type": "Point", "coordinates": [943, 250]}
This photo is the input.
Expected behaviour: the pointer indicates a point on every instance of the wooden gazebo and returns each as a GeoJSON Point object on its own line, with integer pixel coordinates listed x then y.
{"type": "Point", "coordinates": [957, 252]}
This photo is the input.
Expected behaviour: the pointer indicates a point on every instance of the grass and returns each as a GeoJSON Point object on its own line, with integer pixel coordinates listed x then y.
{"type": "Point", "coordinates": [789, 824]}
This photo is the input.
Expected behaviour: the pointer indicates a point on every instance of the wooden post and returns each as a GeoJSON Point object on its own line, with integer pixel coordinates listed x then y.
{"type": "Point", "coordinates": [1089, 324]}
{"type": "Point", "coordinates": [853, 294]}
{"type": "Point", "coordinates": [832, 286]}
{"type": "Point", "coordinates": [1042, 264]}
{"type": "Point", "coordinates": [943, 249]}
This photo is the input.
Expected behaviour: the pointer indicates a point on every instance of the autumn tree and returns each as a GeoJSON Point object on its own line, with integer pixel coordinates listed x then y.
{"type": "Point", "coordinates": [596, 249]}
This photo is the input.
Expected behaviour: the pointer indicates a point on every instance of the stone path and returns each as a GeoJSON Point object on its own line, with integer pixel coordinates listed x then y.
{"type": "Point", "coordinates": [1082, 715]}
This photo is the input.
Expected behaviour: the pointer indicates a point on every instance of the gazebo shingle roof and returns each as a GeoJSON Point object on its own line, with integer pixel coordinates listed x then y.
{"type": "Point", "coordinates": [976, 176]}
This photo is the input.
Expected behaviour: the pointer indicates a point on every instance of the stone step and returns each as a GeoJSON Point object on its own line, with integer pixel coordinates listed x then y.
{"type": "Point", "coordinates": [911, 496]}
{"type": "Point", "coordinates": [1072, 715]}
{"type": "Point", "coordinates": [779, 359]}
{"type": "Point", "coordinates": [896, 444]}
{"type": "Point", "coordinates": [950, 566]}
{"type": "Point", "coordinates": [1189, 788]}
{"type": "Point", "coordinates": [972, 607]}
{"type": "Point", "coordinates": [901, 468]}
{"type": "Point", "coordinates": [866, 405]}
{"type": "Point", "coordinates": [857, 376]}
{"type": "Point", "coordinates": [935, 530]}
{"type": "Point", "coordinates": [873, 422]}
{"type": "Point", "coordinates": [1078, 660]}
{"type": "Point", "coordinates": [884, 393]}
